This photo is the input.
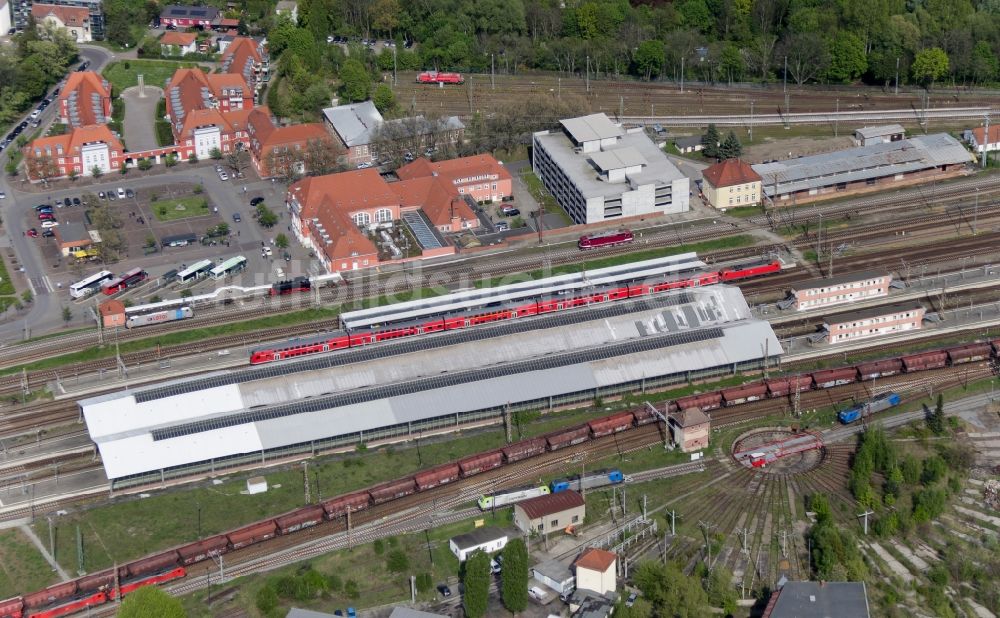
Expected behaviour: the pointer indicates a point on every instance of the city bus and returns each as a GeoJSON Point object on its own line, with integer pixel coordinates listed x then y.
{"type": "Point", "coordinates": [91, 284]}
{"type": "Point", "coordinates": [130, 278]}
{"type": "Point", "coordinates": [195, 271]}
{"type": "Point", "coordinates": [230, 267]}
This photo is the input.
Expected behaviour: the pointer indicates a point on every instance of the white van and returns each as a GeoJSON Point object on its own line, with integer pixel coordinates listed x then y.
{"type": "Point", "coordinates": [536, 593]}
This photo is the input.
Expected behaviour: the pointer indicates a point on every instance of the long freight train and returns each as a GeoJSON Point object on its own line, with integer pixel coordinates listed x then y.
{"type": "Point", "coordinates": [342, 339]}
{"type": "Point", "coordinates": [828, 378]}
{"type": "Point", "coordinates": [92, 590]}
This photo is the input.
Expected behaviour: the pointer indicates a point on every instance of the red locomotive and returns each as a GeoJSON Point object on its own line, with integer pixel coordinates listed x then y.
{"type": "Point", "coordinates": [436, 77]}
{"type": "Point", "coordinates": [607, 239]}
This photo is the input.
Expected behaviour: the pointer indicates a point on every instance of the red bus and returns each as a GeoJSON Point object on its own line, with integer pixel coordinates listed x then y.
{"type": "Point", "coordinates": [607, 239]}
{"type": "Point", "coordinates": [130, 278]}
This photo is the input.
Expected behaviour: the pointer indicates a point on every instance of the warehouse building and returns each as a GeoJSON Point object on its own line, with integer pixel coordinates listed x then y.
{"type": "Point", "coordinates": [599, 171]}
{"type": "Point", "coordinates": [411, 387]}
{"type": "Point", "coordinates": [841, 289]}
{"type": "Point", "coordinates": [874, 322]}
{"type": "Point", "coordinates": [550, 513]}
{"type": "Point", "coordinates": [865, 168]}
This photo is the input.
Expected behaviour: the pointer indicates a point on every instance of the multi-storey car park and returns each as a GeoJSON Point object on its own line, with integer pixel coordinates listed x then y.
{"type": "Point", "coordinates": [280, 411]}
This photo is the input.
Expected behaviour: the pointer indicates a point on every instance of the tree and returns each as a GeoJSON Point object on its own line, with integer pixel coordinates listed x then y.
{"type": "Point", "coordinates": [151, 601]}
{"type": "Point", "coordinates": [670, 591]}
{"type": "Point", "coordinates": [514, 576]}
{"type": "Point", "coordinates": [192, 158]}
{"type": "Point", "coordinates": [170, 160]}
{"type": "Point", "coordinates": [266, 216]}
{"type": "Point", "coordinates": [215, 153]}
{"type": "Point", "coordinates": [477, 584]}
{"type": "Point", "coordinates": [806, 54]}
{"type": "Point", "coordinates": [267, 598]}
{"type": "Point", "coordinates": [144, 165]}
{"type": "Point", "coordinates": [41, 168]}
{"type": "Point", "coordinates": [73, 174]}
{"type": "Point", "coordinates": [847, 58]}
{"type": "Point", "coordinates": [96, 171]}
{"type": "Point", "coordinates": [67, 314]}
{"type": "Point", "coordinates": [237, 161]}
{"type": "Point", "coordinates": [383, 98]}
{"type": "Point", "coordinates": [935, 421]}
{"type": "Point", "coordinates": [710, 142]}
{"type": "Point", "coordinates": [649, 59]}
{"type": "Point", "coordinates": [731, 147]}
{"type": "Point", "coordinates": [355, 82]}
{"type": "Point", "coordinates": [930, 65]}
{"type": "Point", "coordinates": [26, 296]}
{"type": "Point", "coordinates": [281, 241]}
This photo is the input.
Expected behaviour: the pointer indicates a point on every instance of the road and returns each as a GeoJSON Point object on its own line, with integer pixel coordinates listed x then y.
{"type": "Point", "coordinates": [45, 312]}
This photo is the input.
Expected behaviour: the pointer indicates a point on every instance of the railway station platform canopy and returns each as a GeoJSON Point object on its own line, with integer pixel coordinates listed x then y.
{"type": "Point", "coordinates": [252, 416]}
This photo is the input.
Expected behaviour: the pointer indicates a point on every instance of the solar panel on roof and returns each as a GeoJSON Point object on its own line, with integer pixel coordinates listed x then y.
{"type": "Point", "coordinates": [407, 346]}
{"type": "Point", "coordinates": [320, 404]}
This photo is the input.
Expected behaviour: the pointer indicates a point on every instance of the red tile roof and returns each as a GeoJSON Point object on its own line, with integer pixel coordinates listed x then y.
{"type": "Point", "coordinates": [190, 85]}
{"type": "Point", "coordinates": [70, 16]}
{"type": "Point", "coordinates": [438, 199]}
{"type": "Point", "coordinates": [543, 506]}
{"type": "Point", "coordinates": [729, 173]}
{"type": "Point", "coordinates": [179, 39]}
{"type": "Point", "coordinates": [72, 141]}
{"type": "Point", "coordinates": [980, 132]}
{"type": "Point", "coordinates": [596, 560]}
{"type": "Point", "coordinates": [86, 84]}
{"type": "Point", "coordinates": [240, 56]}
{"type": "Point", "coordinates": [454, 169]}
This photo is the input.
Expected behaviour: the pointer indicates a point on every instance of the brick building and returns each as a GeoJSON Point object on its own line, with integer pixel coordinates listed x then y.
{"type": "Point", "coordinates": [80, 150]}
{"type": "Point", "coordinates": [206, 129]}
{"type": "Point", "coordinates": [874, 322]}
{"type": "Point", "coordinates": [189, 16]}
{"type": "Point", "coordinates": [245, 57]}
{"type": "Point", "coordinates": [731, 183]}
{"type": "Point", "coordinates": [481, 176]}
{"type": "Point", "coordinates": [550, 513]}
{"type": "Point", "coordinates": [74, 19]}
{"type": "Point", "coordinates": [841, 289]}
{"type": "Point", "coordinates": [193, 89]}
{"type": "Point", "coordinates": [690, 429]}
{"type": "Point", "coordinates": [329, 211]}
{"type": "Point", "coordinates": [85, 99]}
{"type": "Point", "coordinates": [286, 151]}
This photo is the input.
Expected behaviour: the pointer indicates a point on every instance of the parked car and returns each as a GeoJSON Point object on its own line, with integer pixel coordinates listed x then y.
{"type": "Point", "coordinates": [49, 223]}
{"type": "Point", "coordinates": [3, 195]}
{"type": "Point", "coordinates": [76, 201]}
{"type": "Point", "coordinates": [236, 217]}
{"type": "Point", "coordinates": [101, 196]}
{"type": "Point", "coordinates": [111, 196]}
{"type": "Point", "coordinates": [32, 233]}
{"type": "Point", "coordinates": [121, 193]}
{"type": "Point", "coordinates": [46, 216]}
{"type": "Point", "coordinates": [536, 593]}
{"type": "Point", "coordinates": [48, 234]}
{"type": "Point", "coordinates": [265, 252]}
{"type": "Point", "coordinates": [511, 212]}
{"type": "Point", "coordinates": [444, 590]}
{"type": "Point", "coordinates": [223, 176]}
{"type": "Point", "coordinates": [67, 202]}
{"type": "Point", "coordinates": [287, 256]}
{"type": "Point", "coordinates": [256, 200]}
{"type": "Point", "coordinates": [42, 207]}
{"type": "Point", "coordinates": [503, 226]}
{"type": "Point", "coordinates": [129, 193]}
{"type": "Point", "coordinates": [631, 599]}
{"type": "Point", "coordinates": [36, 114]}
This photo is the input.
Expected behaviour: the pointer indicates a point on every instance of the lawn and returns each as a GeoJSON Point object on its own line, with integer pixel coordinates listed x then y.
{"type": "Point", "coordinates": [24, 568]}
{"type": "Point", "coordinates": [125, 73]}
{"type": "Point", "coordinates": [180, 208]}
{"type": "Point", "coordinates": [543, 197]}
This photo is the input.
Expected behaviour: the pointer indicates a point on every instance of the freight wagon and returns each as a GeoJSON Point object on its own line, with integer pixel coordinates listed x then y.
{"type": "Point", "coordinates": [428, 479]}
{"type": "Point", "coordinates": [924, 361]}
{"type": "Point", "coordinates": [302, 518]}
{"type": "Point", "coordinates": [481, 463]}
{"type": "Point", "coordinates": [254, 533]}
{"type": "Point", "coordinates": [524, 449]}
{"type": "Point", "coordinates": [829, 378]}
{"type": "Point", "coordinates": [969, 353]}
{"type": "Point", "coordinates": [392, 490]}
{"type": "Point", "coordinates": [744, 394]}
{"type": "Point", "coordinates": [568, 437]}
{"type": "Point", "coordinates": [338, 507]}
{"type": "Point", "coordinates": [611, 424]}
{"type": "Point", "coordinates": [880, 368]}
{"type": "Point", "coordinates": [705, 401]}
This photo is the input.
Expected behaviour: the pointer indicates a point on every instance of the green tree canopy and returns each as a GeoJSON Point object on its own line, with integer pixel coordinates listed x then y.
{"type": "Point", "coordinates": [847, 58]}
{"type": "Point", "coordinates": [355, 82]}
{"type": "Point", "coordinates": [151, 601]}
{"type": "Point", "coordinates": [670, 592]}
{"type": "Point", "coordinates": [649, 58]}
{"type": "Point", "coordinates": [514, 576]}
{"type": "Point", "coordinates": [477, 584]}
{"type": "Point", "coordinates": [383, 98]}
{"type": "Point", "coordinates": [930, 65]}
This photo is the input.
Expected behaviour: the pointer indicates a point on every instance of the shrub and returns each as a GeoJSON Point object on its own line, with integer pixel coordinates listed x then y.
{"type": "Point", "coordinates": [267, 599]}
{"type": "Point", "coordinates": [397, 562]}
{"type": "Point", "coordinates": [378, 546]}
{"type": "Point", "coordinates": [198, 189]}
{"type": "Point", "coordinates": [424, 582]}
{"type": "Point", "coordinates": [351, 590]}
{"type": "Point", "coordinates": [334, 583]}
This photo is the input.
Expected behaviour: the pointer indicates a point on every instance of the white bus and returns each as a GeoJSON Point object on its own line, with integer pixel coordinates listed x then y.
{"type": "Point", "coordinates": [230, 267]}
{"type": "Point", "coordinates": [90, 285]}
{"type": "Point", "coordinates": [195, 271]}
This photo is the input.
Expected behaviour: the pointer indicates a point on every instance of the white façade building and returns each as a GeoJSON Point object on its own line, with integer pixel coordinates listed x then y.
{"type": "Point", "coordinates": [599, 171]}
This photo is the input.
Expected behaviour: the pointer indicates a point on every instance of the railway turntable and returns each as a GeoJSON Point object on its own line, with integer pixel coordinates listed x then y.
{"type": "Point", "coordinates": [413, 387]}
{"type": "Point", "coordinates": [786, 450]}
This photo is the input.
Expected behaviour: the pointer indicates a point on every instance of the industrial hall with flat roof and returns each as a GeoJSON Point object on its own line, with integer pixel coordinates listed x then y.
{"type": "Point", "coordinates": [258, 415]}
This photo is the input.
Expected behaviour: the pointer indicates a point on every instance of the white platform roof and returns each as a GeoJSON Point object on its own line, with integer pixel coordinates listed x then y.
{"type": "Point", "coordinates": [714, 328]}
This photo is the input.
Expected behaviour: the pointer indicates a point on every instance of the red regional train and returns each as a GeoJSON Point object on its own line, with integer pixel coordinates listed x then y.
{"type": "Point", "coordinates": [607, 239]}
{"type": "Point", "coordinates": [435, 77]}
{"type": "Point", "coordinates": [829, 378]}
{"type": "Point", "coordinates": [339, 340]}
{"type": "Point", "coordinates": [93, 590]}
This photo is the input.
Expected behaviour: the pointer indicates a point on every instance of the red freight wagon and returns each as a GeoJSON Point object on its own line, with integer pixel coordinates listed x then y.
{"type": "Point", "coordinates": [705, 401]}
{"type": "Point", "coordinates": [611, 424]}
{"type": "Point", "coordinates": [969, 353]}
{"type": "Point", "coordinates": [925, 360]}
{"type": "Point", "coordinates": [93, 582]}
{"type": "Point", "coordinates": [254, 533]}
{"type": "Point", "coordinates": [50, 594]}
{"type": "Point", "coordinates": [835, 377]}
{"type": "Point", "coordinates": [996, 347]}
{"type": "Point", "coordinates": [576, 435]}
{"type": "Point", "coordinates": [779, 387]}
{"type": "Point", "coordinates": [196, 552]}
{"type": "Point", "coordinates": [744, 394]}
{"type": "Point", "coordinates": [392, 490]}
{"type": "Point", "coordinates": [877, 369]}
{"type": "Point", "coordinates": [440, 475]}
{"type": "Point", "coordinates": [153, 563]}
{"type": "Point", "coordinates": [338, 506]}
{"type": "Point", "coordinates": [11, 607]}
{"type": "Point", "coordinates": [644, 416]}
{"type": "Point", "coordinates": [302, 518]}
{"type": "Point", "coordinates": [481, 463]}
{"type": "Point", "coordinates": [524, 449]}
